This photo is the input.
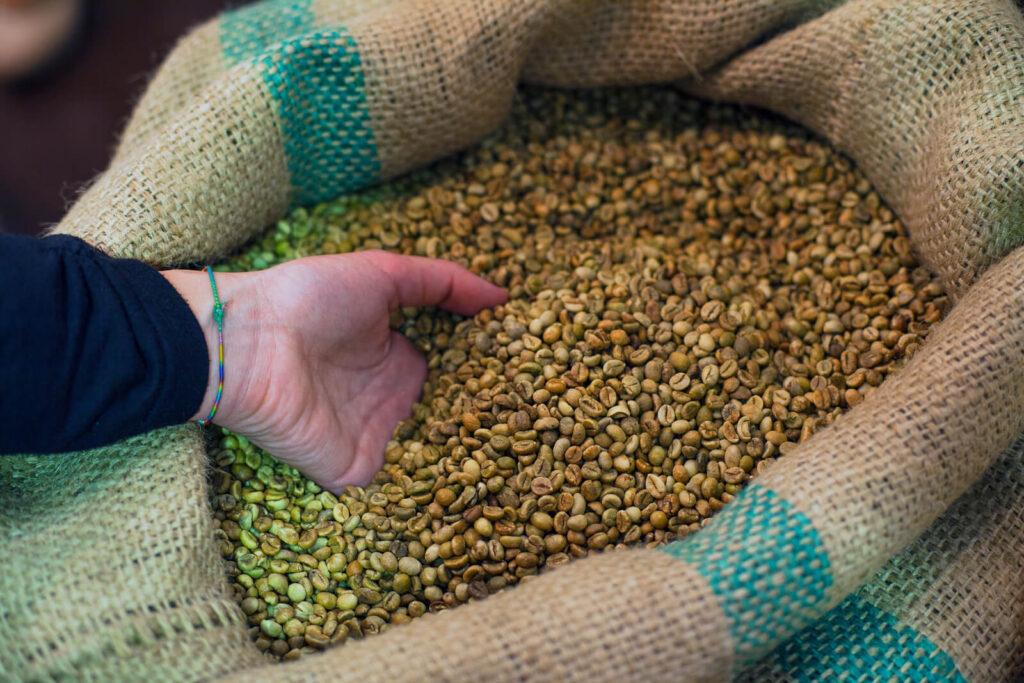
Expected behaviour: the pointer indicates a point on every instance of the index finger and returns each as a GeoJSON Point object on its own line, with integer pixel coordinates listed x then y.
{"type": "Point", "coordinates": [420, 281]}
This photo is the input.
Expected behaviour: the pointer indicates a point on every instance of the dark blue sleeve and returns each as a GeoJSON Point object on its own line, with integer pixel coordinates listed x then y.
{"type": "Point", "coordinates": [92, 349]}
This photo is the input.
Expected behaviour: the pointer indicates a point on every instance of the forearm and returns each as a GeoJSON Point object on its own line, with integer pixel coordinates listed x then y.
{"type": "Point", "coordinates": [92, 349]}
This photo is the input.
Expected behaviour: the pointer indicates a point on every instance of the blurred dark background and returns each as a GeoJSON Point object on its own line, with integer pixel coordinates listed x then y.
{"type": "Point", "coordinates": [58, 130]}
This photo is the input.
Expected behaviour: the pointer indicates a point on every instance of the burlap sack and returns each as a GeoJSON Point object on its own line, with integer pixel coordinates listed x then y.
{"type": "Point", "coordinates": [951, 601]}
{"type": "Point", "coordinates": [110, 567]}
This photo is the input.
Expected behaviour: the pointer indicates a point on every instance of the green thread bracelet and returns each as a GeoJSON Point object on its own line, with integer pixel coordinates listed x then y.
{"type": "Point", "coordinates": [218, 316]}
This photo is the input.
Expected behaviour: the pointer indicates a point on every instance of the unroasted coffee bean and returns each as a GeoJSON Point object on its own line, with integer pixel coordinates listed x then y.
{"type": "Point", "coordinates": [692, 292]}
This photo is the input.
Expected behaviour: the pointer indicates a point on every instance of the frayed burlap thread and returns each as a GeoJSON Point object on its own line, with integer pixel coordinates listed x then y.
{"type": "Point", "coordinates": [111, 571]}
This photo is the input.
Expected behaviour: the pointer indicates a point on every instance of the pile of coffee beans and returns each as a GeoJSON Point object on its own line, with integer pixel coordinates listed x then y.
{"type": "Point", "coordinates": [694, 289]}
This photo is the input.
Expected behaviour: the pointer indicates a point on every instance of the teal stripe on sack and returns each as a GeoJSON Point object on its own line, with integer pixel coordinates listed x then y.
{"type": "Point", "coordinates": [856, 641]}
{"type": "Point", "coordinates": [766, 563]}
{"type": "Point", "coordinates": [317, 82]}
{"type": "Point", "coordinates": [248, 31]}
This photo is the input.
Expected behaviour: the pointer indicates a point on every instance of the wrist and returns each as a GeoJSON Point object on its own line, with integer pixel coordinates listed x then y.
{"type": "Point", "coordinates": [237, 296]}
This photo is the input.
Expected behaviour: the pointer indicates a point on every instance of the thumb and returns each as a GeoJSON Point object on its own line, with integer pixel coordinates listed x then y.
{"type": "Point", "coordinates": [419, 281]}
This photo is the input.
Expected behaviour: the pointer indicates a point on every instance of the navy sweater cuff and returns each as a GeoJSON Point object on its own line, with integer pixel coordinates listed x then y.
{"type": "Point", "coordinates": [92, 349]}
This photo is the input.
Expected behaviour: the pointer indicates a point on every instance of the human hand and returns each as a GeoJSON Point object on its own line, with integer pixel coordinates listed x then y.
{"type": "Point", "coordinates": [313, 372]}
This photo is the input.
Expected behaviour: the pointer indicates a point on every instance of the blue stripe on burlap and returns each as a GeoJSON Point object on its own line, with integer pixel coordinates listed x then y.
{"type": "Point", "coordinates": [317, 82]}
{"type": "Point", "coordinates": [248, 31]}
{"type": "Point", "coordinates": [766, 563]}
{"type": "Point", "coordinates": [856, 641]}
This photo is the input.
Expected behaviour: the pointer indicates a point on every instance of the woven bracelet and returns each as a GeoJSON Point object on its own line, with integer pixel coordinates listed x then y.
{"type": "Point", "coordinates": [218, 317]}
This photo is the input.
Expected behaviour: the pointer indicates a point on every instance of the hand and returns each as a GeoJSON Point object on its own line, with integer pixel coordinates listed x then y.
{"type": "Point", "coordinates": [313, 373]}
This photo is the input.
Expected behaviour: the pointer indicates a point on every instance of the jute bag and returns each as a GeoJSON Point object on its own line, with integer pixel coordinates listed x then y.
{"type": "Point", "coordinates": [858, 555]}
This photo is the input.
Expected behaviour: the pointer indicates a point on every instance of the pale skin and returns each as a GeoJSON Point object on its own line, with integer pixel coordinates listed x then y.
{"type": "Point", "coordinates": [313, 373]}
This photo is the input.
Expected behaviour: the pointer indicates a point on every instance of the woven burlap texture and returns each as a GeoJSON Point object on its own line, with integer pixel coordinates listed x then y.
{"type": "Point", "coordinates": [925, 96]}
{"type": "Point", "coordinates": [959, 585]}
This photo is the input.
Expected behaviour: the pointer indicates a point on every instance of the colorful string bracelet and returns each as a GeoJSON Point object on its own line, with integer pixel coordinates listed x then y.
{"type": "Point", "coordinates": [218, 317]}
